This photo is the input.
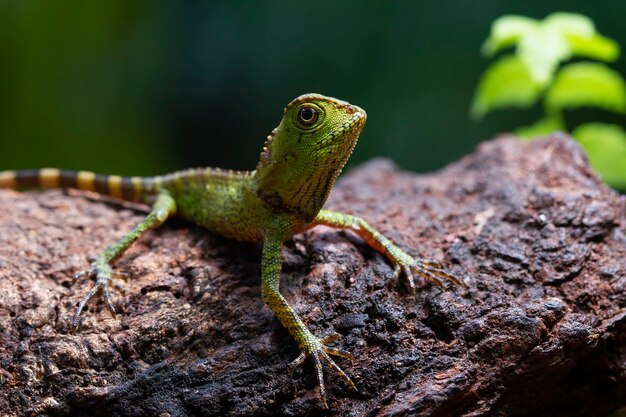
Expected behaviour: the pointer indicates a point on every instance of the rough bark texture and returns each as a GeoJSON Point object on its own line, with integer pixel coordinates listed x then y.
{"type": "Point", "coordinates": [538, 328]}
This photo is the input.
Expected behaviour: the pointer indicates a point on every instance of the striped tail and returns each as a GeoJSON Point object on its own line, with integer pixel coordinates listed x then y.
{"type": "Point", "coordinates": [126, 188]}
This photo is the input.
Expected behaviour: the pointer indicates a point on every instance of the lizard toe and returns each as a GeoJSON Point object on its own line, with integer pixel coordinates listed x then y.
{"type": "Point", "coordinates": [320, 355]}
{"type": "Point", "coordinates": [434, 271]}
{"type": "Point", "coordinates": [104, 281]}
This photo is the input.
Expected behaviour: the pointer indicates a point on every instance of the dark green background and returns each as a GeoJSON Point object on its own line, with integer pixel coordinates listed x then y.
{"type": "Point", "coordinates": [145, 87]}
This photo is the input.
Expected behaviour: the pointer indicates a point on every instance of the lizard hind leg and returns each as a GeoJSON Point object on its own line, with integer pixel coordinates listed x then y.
{"type": "Point", "coordinates": [101, 267]}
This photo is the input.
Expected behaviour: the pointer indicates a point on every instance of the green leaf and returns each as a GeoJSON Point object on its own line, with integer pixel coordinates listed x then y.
{"type": "Point", "coordinates": [545, 47]}
{"type": "Point", "coordinates": [542, 45]}
{"type": "Point", "coordinates": [570, 24]}
{"type": "Point", "coordinates": [582, 37]}
{"type": "Point", "coordinates": [587, 84]}
{"type": "Point", "coordinates": [541, 127]}
{"type": "Point", "coordinates": [506, 31]}
{"type": "Point", "coordinates": [606, 147]}
{"type": "Point", "coordinates": [541, 51]}
{"type": "Point", "coordinates": [596, 46]}
{"type": "Point", "coordinates": [506, 83]}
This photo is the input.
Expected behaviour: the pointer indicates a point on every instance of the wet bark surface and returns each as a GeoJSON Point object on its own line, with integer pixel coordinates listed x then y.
{"type": "Point", "coordinates": [537, 328]}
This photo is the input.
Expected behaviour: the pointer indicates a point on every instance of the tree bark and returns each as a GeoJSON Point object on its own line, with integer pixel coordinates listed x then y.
{"type": "Point", "coordinates": [537, 328]}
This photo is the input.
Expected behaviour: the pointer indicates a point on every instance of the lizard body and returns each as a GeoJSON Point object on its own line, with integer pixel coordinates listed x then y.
{"type": "Point", "coordinates": [299, 163]}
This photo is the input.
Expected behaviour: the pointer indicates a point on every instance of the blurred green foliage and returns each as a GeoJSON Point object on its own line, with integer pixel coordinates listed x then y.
{"type": "Point", "coordinates": [532, 73]}
{"type": "Point", "coordinates": [149, 86]}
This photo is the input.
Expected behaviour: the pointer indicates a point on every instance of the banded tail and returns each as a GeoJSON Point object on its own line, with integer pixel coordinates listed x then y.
{"type": "Point", "coordinates": [126, 188]}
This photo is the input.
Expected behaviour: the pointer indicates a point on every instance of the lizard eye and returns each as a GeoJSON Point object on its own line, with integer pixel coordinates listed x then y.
{"type": "Point", "coordinates": [307, 116]}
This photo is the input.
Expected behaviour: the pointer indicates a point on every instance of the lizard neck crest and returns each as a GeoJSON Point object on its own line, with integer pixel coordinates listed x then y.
{"type": "Point", "coordinates": [265, 153]}
{"type": "Point", "coordinates": [303, 156]}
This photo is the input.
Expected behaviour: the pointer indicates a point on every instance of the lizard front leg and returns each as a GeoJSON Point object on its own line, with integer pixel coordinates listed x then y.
{"type": "Point", "coordinates": [403, 262]}
{"type": "Point", "coordinates": [101, 268]}
{"type": "Point", "coordinates": [310, 344]}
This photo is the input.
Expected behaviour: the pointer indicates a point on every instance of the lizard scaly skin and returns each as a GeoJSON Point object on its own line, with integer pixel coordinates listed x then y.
{"type": "Point", "coordinates": [301, 159]}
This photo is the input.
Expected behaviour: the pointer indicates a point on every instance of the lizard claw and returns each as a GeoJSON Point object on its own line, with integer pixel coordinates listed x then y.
{"type": "Point", "coordinates": [105, 277]}
{"type": "Point", "coordinates": [317, 350]}
{"type": "Point", "coordinates": [428, 269]}
{"type": "Point", "coordinates": [434, 271]}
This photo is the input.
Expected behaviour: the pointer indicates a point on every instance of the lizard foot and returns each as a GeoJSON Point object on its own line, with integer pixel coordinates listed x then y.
{"type": "Point", "coordinates": [105, 277]}
{"type": "Point", "coordinates": [316, 349]}
{"type": "Point", "coordinates": [431, 270]}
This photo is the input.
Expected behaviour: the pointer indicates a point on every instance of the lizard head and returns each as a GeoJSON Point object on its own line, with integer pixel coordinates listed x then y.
{"type": "Point", "coordinates": [306, 152]}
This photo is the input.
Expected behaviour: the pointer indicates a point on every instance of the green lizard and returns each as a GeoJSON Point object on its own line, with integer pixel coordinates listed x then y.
{"type": "Point", "coordinates": [299, 163]}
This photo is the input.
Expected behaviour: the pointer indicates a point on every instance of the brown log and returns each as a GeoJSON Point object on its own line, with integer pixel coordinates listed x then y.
{"type": "Point", "coordinates": [537, 328]}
